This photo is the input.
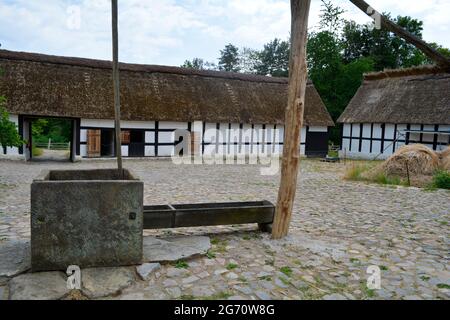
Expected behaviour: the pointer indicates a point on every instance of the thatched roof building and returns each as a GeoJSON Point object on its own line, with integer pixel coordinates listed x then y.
{"type": "Point", "coordinates": [415, 96]}
{"type": "Point", "coordinates": [44, 85]}
{"type": "Point", "coordinates": [395, 108]}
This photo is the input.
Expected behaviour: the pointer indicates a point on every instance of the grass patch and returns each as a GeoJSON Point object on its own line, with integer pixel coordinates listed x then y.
{"type": "Point", "coordinates": [284, 280]}
{"type": "Point", "coordinates": [219, 245]}
{"type": "Point", "coordinates": [210, 254]}
{"type": "Point", "coordinates": [443, 286]}
{"type": "Point", "coordinates": [231, 266]}
{"type": "Point", "coordinates": [223, 295]}
{"type": "Point", "coordinates": [267, 278]}
{"type": "Point", "coordinates": [181, 264]}
{"type": "Point", "coordinates": [424, 278]}
{"type": "Point", "coordinates": [355, 172]}
{"type": "Point", "coordinates": [384, 268]}
{"type": "Point", "coordinates": [370, 293]}
{"type": "Point", "coordinates": [286, 270]}
{"type": "Point", "coordinates": [441, 180]}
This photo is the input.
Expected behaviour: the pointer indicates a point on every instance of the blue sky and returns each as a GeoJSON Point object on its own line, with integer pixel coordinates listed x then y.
{"type": "Point", "coordinates": [168, 31]}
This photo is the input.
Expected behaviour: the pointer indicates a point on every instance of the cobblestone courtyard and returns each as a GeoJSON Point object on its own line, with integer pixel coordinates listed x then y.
{"type": "Point", "coordinates": [339, 228]}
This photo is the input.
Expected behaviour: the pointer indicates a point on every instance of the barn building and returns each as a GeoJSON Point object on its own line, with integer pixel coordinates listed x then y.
{"type": "Point", "coordinates": [155, 101]}
{"type": "Point", "coordinates": [397, 107]}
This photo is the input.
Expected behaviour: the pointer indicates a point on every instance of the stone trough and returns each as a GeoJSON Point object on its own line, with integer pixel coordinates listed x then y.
{"type": "Point", "coordinates": [94, 218]}
{"type": "Point", "coordinates": [88, 218]}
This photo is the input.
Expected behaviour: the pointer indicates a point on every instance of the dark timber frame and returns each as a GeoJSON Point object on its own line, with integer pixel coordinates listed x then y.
{"type": "Point", "coordinates": [403, 138]}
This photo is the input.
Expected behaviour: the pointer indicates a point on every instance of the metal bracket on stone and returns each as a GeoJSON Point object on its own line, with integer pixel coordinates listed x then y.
{"type": "Point", "coordinates": [209, 214]}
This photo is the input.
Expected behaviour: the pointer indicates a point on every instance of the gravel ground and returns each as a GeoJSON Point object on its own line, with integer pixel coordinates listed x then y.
{"type": "Point", "coordinates": [339, 228]}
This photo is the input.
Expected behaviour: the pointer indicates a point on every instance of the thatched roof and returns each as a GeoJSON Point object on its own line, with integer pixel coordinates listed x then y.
{"type": "Point", "coordinates": [37, 84]}
{"type": "Point", "coordinates": [416, 95]}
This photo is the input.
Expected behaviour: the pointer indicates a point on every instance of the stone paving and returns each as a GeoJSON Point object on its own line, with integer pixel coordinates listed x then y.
{"type": "Point", "coordinates": [339, 228]}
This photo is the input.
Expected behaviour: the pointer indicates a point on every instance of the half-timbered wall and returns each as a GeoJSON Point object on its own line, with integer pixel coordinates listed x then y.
{"type": "Point", "coordinates": [94, 138]}
{"type": "Point", "coordinates": [369, 140]}
{"type": "Point", "coordinates": [210, 138]}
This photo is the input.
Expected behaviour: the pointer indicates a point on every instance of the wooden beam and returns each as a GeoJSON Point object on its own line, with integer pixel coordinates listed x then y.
{"type": "Point", "coordinates": [208, 214]}
{"type": "Point", "coordinates": [116, 84]}
{"type": "Point", "coordinates": [429, 51]}
{"type": "Point", "coordinates": [293, 118]}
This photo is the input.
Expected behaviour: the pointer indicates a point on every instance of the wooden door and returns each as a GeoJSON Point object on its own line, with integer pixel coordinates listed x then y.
{"type": "Point", "coordinates": [93, 143]}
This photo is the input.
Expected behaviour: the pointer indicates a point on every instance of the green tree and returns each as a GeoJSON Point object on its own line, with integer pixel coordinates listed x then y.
{"type": "Point", "coordinates": [330, 17]}
{"type": "Point", "coordinates": [274, 59]}
{"type": "Point", "coordinates": [9, 136]}
{"type": "Point", "coordinates": [383, 47]}
{"type": "Point", "coordinates": [199, 64]}
{"type": "Point", "coordinates": [229, 58]}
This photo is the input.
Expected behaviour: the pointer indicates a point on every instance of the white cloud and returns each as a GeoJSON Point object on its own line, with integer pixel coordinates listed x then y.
{"type": "Point", "coordinates": [170, 31]}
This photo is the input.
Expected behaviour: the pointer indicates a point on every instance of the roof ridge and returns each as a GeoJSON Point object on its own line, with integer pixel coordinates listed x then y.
{"type": "Point", "coordinates": [405, 72]}
{"type": "Point", "coordinates": [106, 64]}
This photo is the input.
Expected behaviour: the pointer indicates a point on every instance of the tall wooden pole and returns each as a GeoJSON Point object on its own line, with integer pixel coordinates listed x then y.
{"type": "Point", "coordinates": [429, 51]}
{"type": "Point", "coordinates": [293, 118]}
{"type": "Point", "coordinates": [115, 49]}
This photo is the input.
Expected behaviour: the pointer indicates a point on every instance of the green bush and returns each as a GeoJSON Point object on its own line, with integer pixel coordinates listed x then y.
{"type": "Point", "coordinates": [441, 179]}
{"type": "Point", "coordinates": [37, 151]}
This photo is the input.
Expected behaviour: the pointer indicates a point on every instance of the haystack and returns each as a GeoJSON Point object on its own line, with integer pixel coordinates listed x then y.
{"type": "Point", "coordinates": [445, 159]}
{"type": "Point", "coordinates": [416, 161]}
{"type": "Point", "coordinates": [416, 158]}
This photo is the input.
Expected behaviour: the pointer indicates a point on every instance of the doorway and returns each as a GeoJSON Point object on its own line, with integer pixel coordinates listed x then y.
{"type": "Point", "coordinates": [107, 143]}
{"type": "Point", "coordinates": [49, 138]}
{"type": "Point", "coordinates": [136, 147]}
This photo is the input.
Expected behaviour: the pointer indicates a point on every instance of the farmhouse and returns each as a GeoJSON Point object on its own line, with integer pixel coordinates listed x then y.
{"type": "Point", "coordinates": [155, 101]}
{"type": "Point", "coordinates": [398, 107]}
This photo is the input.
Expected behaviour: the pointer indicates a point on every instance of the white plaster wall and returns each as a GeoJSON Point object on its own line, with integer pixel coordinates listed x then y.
{"type": "Point", "coordinates": [318, 129]}
{"type": "Point", "coordinates": [149, 151]}
{"type": "Point", "coordinates": [83, 150]}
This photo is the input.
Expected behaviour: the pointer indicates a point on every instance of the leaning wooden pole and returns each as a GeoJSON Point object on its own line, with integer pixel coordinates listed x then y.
{"type": "Point", "coordinates": [293, 118]}
{"type": "Point", "coordinates": [115, 49]}
{"type": "Point", "coordinates": [429, 51]}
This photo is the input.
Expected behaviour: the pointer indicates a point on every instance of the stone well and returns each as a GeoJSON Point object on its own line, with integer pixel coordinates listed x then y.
{"type": "Point", "coordinates": [89, 218]}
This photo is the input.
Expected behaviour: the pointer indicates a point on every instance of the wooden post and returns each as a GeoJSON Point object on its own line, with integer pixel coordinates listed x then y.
{"type": "Point", "coordinates": [429, 51]}
{"type": "Point", "coordinates": [293, 118]}
{"type": "Point", "coordinates": [115, 49]}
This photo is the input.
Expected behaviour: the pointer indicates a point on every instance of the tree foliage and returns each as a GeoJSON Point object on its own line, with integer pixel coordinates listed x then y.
{"type": "Point", "coordinates": [273, 59]}
{"type": "Point", "coordinates": [9, 136]}
{"type": "Point", "coordinates": [199, 64]}
{"type": "Point", "coordinates": [58, 130]}
{"type": "Point", "coordinates": [229, 58]}
{"type": "Point", "coordinates": [339, 52]}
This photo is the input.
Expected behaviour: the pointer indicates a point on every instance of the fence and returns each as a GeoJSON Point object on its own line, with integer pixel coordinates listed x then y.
{"type": "Point", "coordinates": [53, 145]}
